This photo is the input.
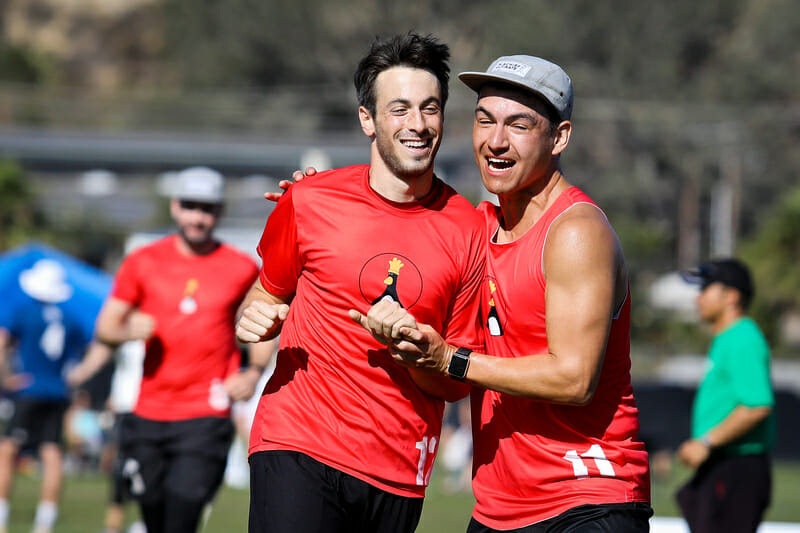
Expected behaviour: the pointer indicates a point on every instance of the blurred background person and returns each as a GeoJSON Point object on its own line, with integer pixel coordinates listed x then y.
{"type": "Point", "coordinates": [124, 391]}
{"type": "Point", "coordinates": [180, 294]}
{"type": "Point", "coordinates": [733, 422]}
{"type": "Point", "coordinates": [237, 472]}
{"type": "Point", "coordinates": [456, 447]}
{"type": "Point", "coordinates": [83, 434]}
{"type": "Point", "coordinates": [40, 336]}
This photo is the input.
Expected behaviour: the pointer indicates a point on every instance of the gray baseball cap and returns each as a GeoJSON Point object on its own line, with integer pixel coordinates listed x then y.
{"type": "Point", "coordinates": [200, 184]}
{"type": "Point", "coordinates": [534, 74]}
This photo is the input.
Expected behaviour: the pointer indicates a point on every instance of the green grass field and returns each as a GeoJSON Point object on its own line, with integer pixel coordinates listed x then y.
{"type": "Point", "coordinates": [84, 499]}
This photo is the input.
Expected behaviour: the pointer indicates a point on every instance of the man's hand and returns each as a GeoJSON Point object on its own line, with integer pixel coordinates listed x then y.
{"type": "Point", "coordinates": [410, 344]}
{"type": "Point", "coordinates": [297, 175]}
{"type": "Point", "coordinates": [260, 320]}
{"type": "Point", "coordinates": [140, 326]}
{"type": "Point", "coordinates": [693, 453]}
{"type": "Point", "coordinates": [384, 320]}
{"type": "Point", "coordinates": [242, 385]}
{"type": "Point", "coordinates": [16, 382]}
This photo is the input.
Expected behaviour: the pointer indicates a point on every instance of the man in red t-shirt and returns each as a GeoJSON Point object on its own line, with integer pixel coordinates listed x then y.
{"type": "Point", "coordinates": [554, 420]}
{"type": "Point", "coordinates": [180, 294]}
{"type": "Point", "coordinates": [344, 439]}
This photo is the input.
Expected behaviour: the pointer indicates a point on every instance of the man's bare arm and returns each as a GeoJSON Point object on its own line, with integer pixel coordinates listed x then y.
{"type": "Point", "coordinates": [738, 423]}
{"type": "Point", "coordinates": [96, 356]}
{"type": "Point", "coordinates": [242, 385]}
{"type": "Point", "coordinates": [260, 315]}
{"type": "Point", "coordinates": [584, 286]}
{"type": "Point", "coordinates": [120, 322]}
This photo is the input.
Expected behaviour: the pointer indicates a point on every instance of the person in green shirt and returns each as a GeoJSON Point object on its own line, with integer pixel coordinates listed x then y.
{"type": "Point", "coordinates": [733, 420]}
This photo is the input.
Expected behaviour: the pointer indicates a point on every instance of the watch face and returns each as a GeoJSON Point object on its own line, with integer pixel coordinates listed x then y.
{"type": "Point", "coordinates": [459, 363]}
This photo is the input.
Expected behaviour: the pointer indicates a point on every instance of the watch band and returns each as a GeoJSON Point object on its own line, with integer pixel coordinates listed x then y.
{"type": "Point", "coordinates": [459, 363]}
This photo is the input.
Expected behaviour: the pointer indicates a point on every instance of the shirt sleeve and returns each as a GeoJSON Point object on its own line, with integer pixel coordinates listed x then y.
{"type": "Point", "coordinates": [278, 249]}
{"type": "Point", "coordinates": [127, 285]}
{"type": "Point", "coordinates": [749, 369]}
{"type": "Point", "coordinates": [463, 326]}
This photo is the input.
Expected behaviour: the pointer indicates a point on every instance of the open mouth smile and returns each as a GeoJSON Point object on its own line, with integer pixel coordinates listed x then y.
{"type": "Point", "coordinates": [499, 165]}
{"type": "Point", "coordinates": [416, 144]}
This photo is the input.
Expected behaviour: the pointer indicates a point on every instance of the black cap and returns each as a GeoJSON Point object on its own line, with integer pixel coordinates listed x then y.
{"type": "Point", "coordinates": [730, 272]}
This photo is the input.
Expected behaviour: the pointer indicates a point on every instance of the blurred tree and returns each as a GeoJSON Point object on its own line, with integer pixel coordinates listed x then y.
{"type": "Point", "coordinates": [773, 253]}
{"type": "Point", "coordinates": [20, 220]}
{"type": "Point", "coordinates": [18, 65]}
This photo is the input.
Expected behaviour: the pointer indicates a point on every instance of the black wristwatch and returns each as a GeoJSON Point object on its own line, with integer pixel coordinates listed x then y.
{"type": "Point", "coordinates": [459, 363]}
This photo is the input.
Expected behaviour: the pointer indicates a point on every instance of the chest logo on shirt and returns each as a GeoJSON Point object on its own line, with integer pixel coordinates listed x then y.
{"type": "Point", "coordinates": [390, 277]}
{"type": "Point", "coordinates": [493, 322]}
{"type": "Point", "coordinates": [188, 304]}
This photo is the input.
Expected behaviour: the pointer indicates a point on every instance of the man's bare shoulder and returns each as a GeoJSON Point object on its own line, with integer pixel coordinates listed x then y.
{"type": "Point", "coordinates": [581, 220]}
{"type": "Point", "coordinates": [581, 239]}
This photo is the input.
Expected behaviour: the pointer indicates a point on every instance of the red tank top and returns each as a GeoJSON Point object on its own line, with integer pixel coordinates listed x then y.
{"type": "Point", "coordinates": [534, 460]}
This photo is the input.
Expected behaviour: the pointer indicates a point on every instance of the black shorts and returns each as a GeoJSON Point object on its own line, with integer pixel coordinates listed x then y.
{"type": "Point", "coordinates": [184, 459]}
{"type": "Point", "coordinates": [727, 494]}
{"type": "Point", "coordinates": [633, 517]}
{"type": "Point", "coordinates": [292, 493]}
{"type": "Point", "coordinates": [36, 422]}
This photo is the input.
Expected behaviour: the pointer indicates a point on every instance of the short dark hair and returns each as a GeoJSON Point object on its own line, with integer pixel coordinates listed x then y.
{"type": "Point", "coordinates": [409, 50]}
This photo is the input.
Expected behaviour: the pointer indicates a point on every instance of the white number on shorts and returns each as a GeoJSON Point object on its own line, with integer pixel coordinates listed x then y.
{"type": "Point", "coordinates": [595, 452]}
{"type": "Point", "coordinates": [426, 446]}
{"type": "Point", "coordinates": [130, 470]}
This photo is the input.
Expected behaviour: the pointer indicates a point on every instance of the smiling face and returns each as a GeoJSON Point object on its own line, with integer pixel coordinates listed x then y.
{"type": "Point", "coordinates": [513, 140]}
{"type": "Point", "coordinates": [408, 121]}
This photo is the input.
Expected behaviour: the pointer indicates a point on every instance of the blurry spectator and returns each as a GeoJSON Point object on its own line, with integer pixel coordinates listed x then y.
{"type": "Point", "coordinates": [457, 447]}
{"type": "Point", "coordinates": [733, 423]}
{"type": "Point", "coordinates": [83, 433]}
{"type": "Point", "coordinates": [237, 473]}
{"type": "Point", "coordinates": [124, 390]}
{"type": "Point", "coordinates": [39, 338]}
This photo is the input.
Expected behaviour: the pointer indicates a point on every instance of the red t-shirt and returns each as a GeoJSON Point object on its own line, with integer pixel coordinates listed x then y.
{"type": "Point", "coordinates": [336, 394]}
{"type": "Point", "coordinates": [193, 348]}
{"type": "Point", "coordinates": [532, 459]}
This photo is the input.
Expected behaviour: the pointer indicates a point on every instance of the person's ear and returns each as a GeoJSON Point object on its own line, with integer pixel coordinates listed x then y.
{"type": "Point", "coordinates": [367, 121]}
{"type": "Point", "coordinates": [561, 137]}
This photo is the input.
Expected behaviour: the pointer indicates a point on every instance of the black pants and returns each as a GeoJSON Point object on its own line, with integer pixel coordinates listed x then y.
{"type": "Point", "coordinates": [292, 493]}
{"type": "Point", "coordinates": [631, 517]}
{"type": "Point", "coordinates": [727, 494]}
{"type": "Point", "coordinates": [174, 468]}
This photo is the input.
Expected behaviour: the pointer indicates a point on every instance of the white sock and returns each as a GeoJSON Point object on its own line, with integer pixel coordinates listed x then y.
{"type": "Point", "coordinates": [3, 512]}
{"type": "Point", "coordinates": [46, 513]}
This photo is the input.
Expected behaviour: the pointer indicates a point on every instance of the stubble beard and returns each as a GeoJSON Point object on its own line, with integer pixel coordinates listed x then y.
{"type": "Point", "coordinates": [401, 168]}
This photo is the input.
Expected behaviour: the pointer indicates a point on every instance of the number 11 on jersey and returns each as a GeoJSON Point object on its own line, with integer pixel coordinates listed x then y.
{"type": "Point", "coordinates": [595, 452]}
{"type": "Point", "coordinates": [426, 447]}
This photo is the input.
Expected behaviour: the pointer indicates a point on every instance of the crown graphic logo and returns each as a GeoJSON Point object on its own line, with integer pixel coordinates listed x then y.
{"type": "Point", "coordinates": [390, 292]}
{"type": "Point", "coordinates": [493, 320]}
{"type": "Point", "coordinates": [395, 265]}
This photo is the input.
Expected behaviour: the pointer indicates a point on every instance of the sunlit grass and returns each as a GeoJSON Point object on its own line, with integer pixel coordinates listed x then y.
{"type": "Point", "coordinates": [83, 503]}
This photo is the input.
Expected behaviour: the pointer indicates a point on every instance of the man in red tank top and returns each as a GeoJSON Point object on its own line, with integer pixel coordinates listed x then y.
{"type": "Point", "coordinates": [555, 424]}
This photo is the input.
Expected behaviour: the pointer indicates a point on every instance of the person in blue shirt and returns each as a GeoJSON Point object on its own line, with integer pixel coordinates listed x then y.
{"type": "Point", "coordinates": [42, 335]}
